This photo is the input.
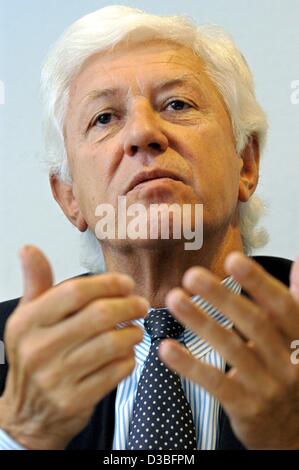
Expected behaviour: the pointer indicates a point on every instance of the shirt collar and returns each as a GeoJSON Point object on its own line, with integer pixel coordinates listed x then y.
{"type": "Point", "coordinates": [196, 345]}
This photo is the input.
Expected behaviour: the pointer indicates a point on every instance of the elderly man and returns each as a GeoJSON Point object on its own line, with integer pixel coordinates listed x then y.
{"type": "Point", "coordinates": [169, 348]}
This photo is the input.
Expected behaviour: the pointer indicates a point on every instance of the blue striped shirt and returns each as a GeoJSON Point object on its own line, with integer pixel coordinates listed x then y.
{"type": "Point", "coordinates": [205, 408]}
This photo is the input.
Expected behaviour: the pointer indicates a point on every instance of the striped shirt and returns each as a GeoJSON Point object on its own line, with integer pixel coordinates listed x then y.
{"type": "Point", "coordinates": [205, 408]}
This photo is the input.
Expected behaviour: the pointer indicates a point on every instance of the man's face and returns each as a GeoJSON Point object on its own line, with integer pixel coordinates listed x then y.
{"type": "Point", "coordinates": [151, 106]}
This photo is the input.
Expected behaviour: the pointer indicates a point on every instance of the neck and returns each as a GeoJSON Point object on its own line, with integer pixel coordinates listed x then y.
{"type": "Point", "coordinates": [158, 269]}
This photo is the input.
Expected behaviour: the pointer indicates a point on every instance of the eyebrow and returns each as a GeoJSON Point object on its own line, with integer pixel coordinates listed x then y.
{"type": "Point", "coordinates": [185, 79]}
{"type": "Point", "coordinates": [96, 94]}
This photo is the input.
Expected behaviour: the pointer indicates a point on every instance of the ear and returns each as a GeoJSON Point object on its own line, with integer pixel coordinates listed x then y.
{"type": "Point", "coordinates": [249, 173]}
{"type": "Point", "coordinates": [64, 195]}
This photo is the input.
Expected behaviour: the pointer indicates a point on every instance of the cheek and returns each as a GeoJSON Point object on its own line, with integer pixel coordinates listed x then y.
{"type": "Point", "coordinates": [215, 163]}
{"type": "Point", "coordinates": [89, 168]}
{"type": "Point", "coordinates": [89, 184]}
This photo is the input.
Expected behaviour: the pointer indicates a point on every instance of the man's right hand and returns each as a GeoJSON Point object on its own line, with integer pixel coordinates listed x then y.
{"type": "Point", "coordinates": [65, 351]}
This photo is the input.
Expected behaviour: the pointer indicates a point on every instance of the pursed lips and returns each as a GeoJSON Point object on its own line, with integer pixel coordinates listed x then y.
{"type": "Point", "coordinates": [152, 175]}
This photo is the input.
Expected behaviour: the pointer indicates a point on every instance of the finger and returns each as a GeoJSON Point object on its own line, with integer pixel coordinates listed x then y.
{"type": "Point", "coordinates": [247, 317]}
{"type": "Point", "coordinates": [177, 358]}
{"type": "Point", "coordinates": [100, 351]}
{"type": "Point", "coordinates": [98, 317]}
{"type": "Point", "coordinates": [70, 296]}
{"type": "Point", "coordinates": [36, 272]}
{"type": "Point", "coordinates": [272, 295]}
{"type": "Point", "coordinates": [233, 349]}
{"type": "Point", "coordinates": [91, 389]}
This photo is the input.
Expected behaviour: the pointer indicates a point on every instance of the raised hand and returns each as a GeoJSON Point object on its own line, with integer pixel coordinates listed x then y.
{"type": "Point", "coordinates": [65, 351]}
{"type": "Point", "coordinates": [260, 393]}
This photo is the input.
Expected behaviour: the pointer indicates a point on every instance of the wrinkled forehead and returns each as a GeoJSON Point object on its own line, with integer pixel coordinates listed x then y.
{"type": "Point", "coordinates": [139, 65]}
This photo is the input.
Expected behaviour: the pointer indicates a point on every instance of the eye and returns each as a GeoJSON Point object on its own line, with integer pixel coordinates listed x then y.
{"type": "Point", "coordinates": [102, 119]}
{"type": "Point", "coordinates": [178, 105]}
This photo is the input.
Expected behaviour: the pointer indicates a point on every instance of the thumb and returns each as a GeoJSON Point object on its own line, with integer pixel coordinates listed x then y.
{"type": "Point", "coordinates": [36, 272]}
{"type": "Point", "coordinates": [294, 279]}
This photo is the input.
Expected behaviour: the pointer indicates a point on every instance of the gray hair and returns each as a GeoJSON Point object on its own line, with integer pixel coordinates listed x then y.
{"type": "Point", "coordinates": [225, 65]}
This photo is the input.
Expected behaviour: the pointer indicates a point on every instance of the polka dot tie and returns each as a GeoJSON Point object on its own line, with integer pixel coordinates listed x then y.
{"type": "Point", "coordinates": [162, 417]}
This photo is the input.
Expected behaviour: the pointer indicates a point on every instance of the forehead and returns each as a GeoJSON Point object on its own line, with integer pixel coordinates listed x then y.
{"type": "Point", "coordinates": [139, 65]}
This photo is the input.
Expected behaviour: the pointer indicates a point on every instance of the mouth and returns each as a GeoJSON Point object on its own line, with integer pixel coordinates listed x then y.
{"type": "Point", "coordinates": [152, 175]}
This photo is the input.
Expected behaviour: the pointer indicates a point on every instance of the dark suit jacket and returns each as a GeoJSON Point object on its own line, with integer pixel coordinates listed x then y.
{"type": "Point", "coordinates": [98, 434]}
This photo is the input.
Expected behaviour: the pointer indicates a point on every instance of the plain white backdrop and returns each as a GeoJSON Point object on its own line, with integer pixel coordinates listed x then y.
{"type": "Point", "coordinates": [267, 33]}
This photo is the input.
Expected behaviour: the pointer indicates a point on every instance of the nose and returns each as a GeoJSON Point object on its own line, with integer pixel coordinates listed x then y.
{"type": "Point", "coordinates": [143, 133]}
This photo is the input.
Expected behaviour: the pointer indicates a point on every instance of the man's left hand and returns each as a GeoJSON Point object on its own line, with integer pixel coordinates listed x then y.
{"type": "Point", "coordinates": [260, 392]}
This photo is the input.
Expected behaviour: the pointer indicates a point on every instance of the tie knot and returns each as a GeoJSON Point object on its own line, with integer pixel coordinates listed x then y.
{"type": "Point", "coordinates": [159, 323]}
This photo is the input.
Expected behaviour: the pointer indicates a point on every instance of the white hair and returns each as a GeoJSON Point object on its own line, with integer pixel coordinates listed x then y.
{"type": "Point", "coordinates": [112, 25]}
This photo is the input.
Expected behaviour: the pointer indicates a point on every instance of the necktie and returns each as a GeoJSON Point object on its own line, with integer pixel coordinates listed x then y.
{"type": "Point", "coordinates": [162, 417]}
